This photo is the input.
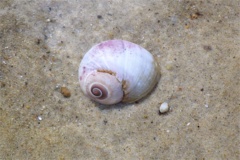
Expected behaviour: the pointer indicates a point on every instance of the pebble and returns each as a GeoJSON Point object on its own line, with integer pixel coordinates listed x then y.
{"type": "Point", "coordinates": [39, 118]}
{"type": "Point", "coordinates": [65, 92]}
{"type": "Point", "coordinates": [164, 107]}
{"type": "Point", "coordinates": [169, 67]}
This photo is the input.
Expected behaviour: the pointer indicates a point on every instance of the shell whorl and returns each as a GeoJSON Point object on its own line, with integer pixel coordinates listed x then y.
{"type": "Point", "coordinates": [98, 91]}
{"type": "Point", "coordinates": [103, 88]}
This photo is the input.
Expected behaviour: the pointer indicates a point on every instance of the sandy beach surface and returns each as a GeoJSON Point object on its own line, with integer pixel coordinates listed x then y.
{"type": "Point", "coordinates": [197, 46]}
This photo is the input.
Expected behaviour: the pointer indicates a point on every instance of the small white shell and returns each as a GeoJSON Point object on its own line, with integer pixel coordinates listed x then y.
{"type": "Point", "coordinates": [117, 70]}
{"type": "Point", "coordinates": [164, 107]}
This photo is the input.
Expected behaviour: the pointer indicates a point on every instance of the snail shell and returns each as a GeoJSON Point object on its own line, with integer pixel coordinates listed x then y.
{"type": "Point", "coordinates": [117, 71]}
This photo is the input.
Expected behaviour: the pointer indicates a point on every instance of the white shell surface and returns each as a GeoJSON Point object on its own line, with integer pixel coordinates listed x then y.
{"type": "Point", "coordinates": [133, 66]}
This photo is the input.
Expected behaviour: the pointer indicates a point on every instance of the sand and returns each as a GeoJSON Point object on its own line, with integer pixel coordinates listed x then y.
{"type": "Point", "coordinates": [197, 46]}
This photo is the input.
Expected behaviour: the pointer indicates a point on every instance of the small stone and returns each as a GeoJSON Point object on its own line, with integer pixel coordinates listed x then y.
{"type": "Point", "coordinates": [164, 107]}
{"type": "Point", "coordinates": [99, 17]}
{"type": "Point", "coordinates": [169, 67]}
{"type": "Point", "coordinates": [3, 84]}
{"type": "Point", "coordinates": [65, 92]}
{"type": "Point", "coordinates": [27, 106]}
{"type": "Point", "coordinates": [39, 118]}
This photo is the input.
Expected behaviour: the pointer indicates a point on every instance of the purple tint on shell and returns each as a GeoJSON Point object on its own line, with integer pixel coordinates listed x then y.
{"type": "Point", "coordinates": [96, 92]}
{"type": "Point", "coordinates": [99, 91]}
{"type": "Point", "coordinates": [107, 44]}
{"type": "Point", "coordinates": [83, 73]}
{"type": "Point", "coordinates": [116, 45]}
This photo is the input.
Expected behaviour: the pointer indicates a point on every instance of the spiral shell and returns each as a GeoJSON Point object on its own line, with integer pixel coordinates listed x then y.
{"type": "Point", "coordinates": [117, 71]}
